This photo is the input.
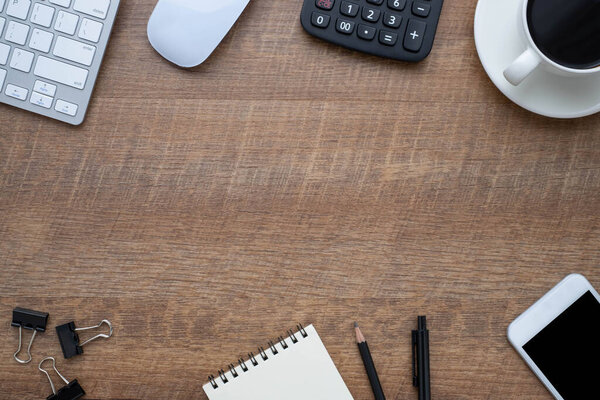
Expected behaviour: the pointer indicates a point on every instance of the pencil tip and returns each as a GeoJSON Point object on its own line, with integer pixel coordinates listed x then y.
{"type": "Point", "coordinates": [355, 324]}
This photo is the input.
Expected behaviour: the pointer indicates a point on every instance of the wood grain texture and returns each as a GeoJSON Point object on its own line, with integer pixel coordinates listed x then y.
{"type": "Point", "coordinates": [287, 180]}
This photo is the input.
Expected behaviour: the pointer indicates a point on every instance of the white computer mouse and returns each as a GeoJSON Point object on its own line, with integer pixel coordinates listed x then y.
{"type": "Point", "coordinates": [186, 32]}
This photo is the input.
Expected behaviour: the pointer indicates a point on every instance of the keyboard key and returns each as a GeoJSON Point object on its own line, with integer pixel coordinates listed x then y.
{"type": "Point", "coordinates": [325, 4]}
{"type": "Point", "coordinates": [66, 22]}
{"type": "Point", "coordinates": [73, 50]}
{"type": "Point", "coordinates": [366, 32]}
{"type": "Point", "coordinates": [1, 7]}
{"type": "Point", "coordinates": [62, 3]}
{"type": "Point", "coordinates": [41, 40]}
{"type": "Point", "coordinates": [378, 2]}
{"type": "Point", "coordinates": [2, 22]}
{"type": "Point", "coordinates": [371, 14]}
{"type": "Point", "coordinates": [16, 32]}
{"type": "Point", "coordinates": [421, 9]}
{"type": "Point", "coordinates": [95, 8]}
{"type": "Point", "coordinates": [60, 72]}
{"type": "Point", "coordinates": [40, 100]}
{"type": "Point", "coordinates": [344, 26]}
{"type": "Point", "coordinates": [90, 30]}
{"type": "Point", "coordinates": [44, 88]}
{"type": "Point", "coordinates": [388, 38]}
{"type": "Point", "coordinates": [4, 52]}
{"type": "Point", "coordinates": [320, 20]}
{"type": "Point", "coordinates": [18, 8]}
{"type": "Point", "coordinates": [2, 77]}
{"type": "Point", "coordinates": [414, 35]}
{"type": "Point", "coordinates": [397, 5]}
{"type": "Point", "coordinates": [42, 15]}
{"type": "Point", "coordinates": [16, 92]}
{"type": "Point", "coordinates": [349, 9]}
{"type": "Point", "coordinates": [392, 20]}
{"type": "Point", "coordinates": [21, 60]}
{"type": "Point", "coordinates": [66, 108]}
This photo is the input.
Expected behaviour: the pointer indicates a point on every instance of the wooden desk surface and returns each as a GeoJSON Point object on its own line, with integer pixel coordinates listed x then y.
{"type": "Point", "coordinates": [286, 180]}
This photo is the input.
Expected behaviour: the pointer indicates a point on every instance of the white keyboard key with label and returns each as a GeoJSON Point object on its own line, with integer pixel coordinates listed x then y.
{"type": "Point", "coordinates": [18, 8]}
{"type": "Point", "coordinates": [41, 40]}
{"type": "Point", "coordinates": [16, 32]}
{"type": "Point", "coordinates": [41, 100]}
{"type": "Point", "coordinates": [21, 60]}
{"type": "Point", "coordinates": [51, 52]}
{"type": "Point", "coordinates": [42, 15]}
{"type": "Point", "coordinates": [16, 92]}
{"type": "Point", "coordinates": [75, 51]}
{"type": "Point", "coordinates": [60, 72]}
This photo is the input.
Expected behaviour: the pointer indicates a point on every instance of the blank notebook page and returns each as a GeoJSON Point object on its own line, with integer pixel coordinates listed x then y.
{"type": "Point", "coordinates": [303, 371]}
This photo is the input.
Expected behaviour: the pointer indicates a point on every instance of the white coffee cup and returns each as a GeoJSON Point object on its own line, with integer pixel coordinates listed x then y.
{"type": "Point", "coordinates": [533, 58]}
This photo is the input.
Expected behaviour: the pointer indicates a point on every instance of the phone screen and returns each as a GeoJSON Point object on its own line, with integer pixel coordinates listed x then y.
{"type": "Point", "coordinates": [567, 351]}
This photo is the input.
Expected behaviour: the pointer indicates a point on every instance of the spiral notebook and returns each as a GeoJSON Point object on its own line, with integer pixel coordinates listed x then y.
{"type": "Point", "coordinates": [297, 367]}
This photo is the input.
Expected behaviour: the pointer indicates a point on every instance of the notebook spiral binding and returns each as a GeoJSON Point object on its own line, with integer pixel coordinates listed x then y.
{"type": "Point", "coordinates": [252, 359]}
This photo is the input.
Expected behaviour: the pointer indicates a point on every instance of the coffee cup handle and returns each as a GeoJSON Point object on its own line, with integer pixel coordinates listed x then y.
{"type": "Point", "coordinates": [524, 65]}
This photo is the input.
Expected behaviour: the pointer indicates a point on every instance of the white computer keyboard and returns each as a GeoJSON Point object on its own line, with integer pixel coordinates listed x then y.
{"type": "Point", "coordinates": [50, 54]}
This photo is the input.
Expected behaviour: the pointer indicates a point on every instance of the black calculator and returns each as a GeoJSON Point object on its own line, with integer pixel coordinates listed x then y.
{"type": "Point", "coordinates": [398, 29]}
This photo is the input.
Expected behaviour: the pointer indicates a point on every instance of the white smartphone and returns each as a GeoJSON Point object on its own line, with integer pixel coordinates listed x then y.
{"type": "Point", "coordinates": [559, 338]}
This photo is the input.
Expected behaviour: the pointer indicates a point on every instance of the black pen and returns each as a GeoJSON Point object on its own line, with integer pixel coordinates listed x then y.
{"type": "Point", "coordinates": [420, 352]}
{"type": "Point", "coordinates": [363, 347]}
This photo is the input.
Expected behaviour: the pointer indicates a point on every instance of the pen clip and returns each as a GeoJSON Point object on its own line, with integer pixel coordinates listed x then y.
{"type": "Point", "coordinates": [414, 359]}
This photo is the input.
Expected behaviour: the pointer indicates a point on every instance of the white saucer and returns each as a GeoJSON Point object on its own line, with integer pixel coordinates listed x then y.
{"type": "Point", "coordinates": [499, 44]}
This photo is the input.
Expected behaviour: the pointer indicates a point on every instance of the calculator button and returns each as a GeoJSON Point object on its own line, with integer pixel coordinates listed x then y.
{"type": "Point", "coordinates": [349, 9]}
{"type": "Point", "coordinates": [388, 38]}
{"type": "Point", "coordinates": [421, 9]}
{"type": "Point", "coordinates": [344, 26]}
{"type": "Point", "coordinates": [371, 14]}
{"type": "Point", "coordinates": [397, 4]}
{"type": "Point", "coordinates": [377, 2]}
{"type": "Point", "coordinates": [414, 35]}
{"type": "Point", "coordinates": [366, 32]}
{"type": "Point", "coordinates": [392, 20]}
{"type": "Point", "coordinates": [325, 4]}
{"type": "Point", "coordinates": [320, 20]}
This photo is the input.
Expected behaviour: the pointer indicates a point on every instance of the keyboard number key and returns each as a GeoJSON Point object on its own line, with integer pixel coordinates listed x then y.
{"type": "Point", "coordinates": [42, 15]}
{"type": "Point", "coordinates": [18, 8]}
{"type": "Point", "coordinates": [21, 60]}
{"type": "Point", "coordinates": [66, 22]}
{"type": "Point", "coordinates": [397, 5]}
{"type": "Point", "coordinates": [320, 20]}
{"type": "Point", "coordinates": [349, 9]}
{"type": "Point", "coordinates": [371, 14]}
{"type": "Point", "coordinates": [17, 33]}
{"type": "Point", "coordinates": [66, 108]}
{"type": "Point", "coordinates": [41, 40]}
{"type": "Point", "coordinates": [344, 26]}
{"type": "Point", "coordinates": [40, 100]}
{"type": "Point", "coordinates": [415, 31]}
{"type": "Point", "coordinates": [388, 38]}
{"type": "Point", "coordinates": [392, 20]}
{"type": "Point", "coordinates": [16, 92]}
{"type": "Point", "coordinates": [90, 30]}
{"type": "Point", "coordinates": [366, 32]}
{"type": "Point", "coordinates": [325, 4]}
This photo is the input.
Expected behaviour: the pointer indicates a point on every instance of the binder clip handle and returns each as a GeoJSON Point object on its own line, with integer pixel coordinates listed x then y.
{"type": "Point", "coordinates": [98, 336]}
{"type": "Point", "coordinates": [28, 319]}
{"type": "Point", "coordinates": [55, 370]}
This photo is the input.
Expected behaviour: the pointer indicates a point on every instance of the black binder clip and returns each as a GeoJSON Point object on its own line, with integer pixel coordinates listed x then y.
{"type": "Point", "coordinates": [69, 339]}
{"type": "Point", "coordinates": [28, 319]}
{"type": "Point", "coordinates": [71, 391]}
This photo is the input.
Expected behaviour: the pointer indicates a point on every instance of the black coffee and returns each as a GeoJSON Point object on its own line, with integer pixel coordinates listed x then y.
{"type": "Point", "coordinates": [566, 31]}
